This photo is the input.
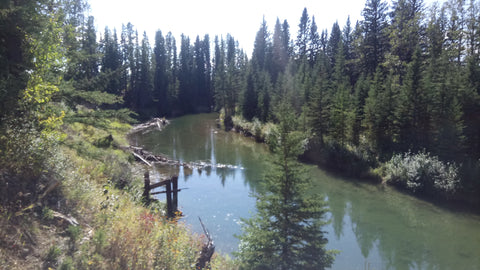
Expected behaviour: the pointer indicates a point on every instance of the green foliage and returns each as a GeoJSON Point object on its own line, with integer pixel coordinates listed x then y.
{"type": "Point", "coordinates": [47, 213]}
{"type": "Point", "coordinates": [423, 173]}
{"type": "Point", "coordinates": [74, 232]}
{"type": "Point", "coordinates": [348, 160]}
{"type": "Point", "coordinates": [286, 232]}
{"type": "Point", "coordinates": [67, 264]}
{"type": "Point", "coordinates": [53, 254]}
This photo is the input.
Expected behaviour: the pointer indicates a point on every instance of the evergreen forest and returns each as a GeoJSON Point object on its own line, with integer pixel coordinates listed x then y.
{"type": "Point", "coordinates": [394, 97]}
{"type": "Point", "coordinates": [402, 83]}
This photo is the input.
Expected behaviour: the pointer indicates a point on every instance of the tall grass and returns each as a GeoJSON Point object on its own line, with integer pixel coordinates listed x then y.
{"type": "Point", "coordinates": [101, 186]}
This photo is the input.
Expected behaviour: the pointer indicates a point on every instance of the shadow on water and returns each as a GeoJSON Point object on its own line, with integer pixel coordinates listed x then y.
{"type": "Point", "coordinates": [374, 227]}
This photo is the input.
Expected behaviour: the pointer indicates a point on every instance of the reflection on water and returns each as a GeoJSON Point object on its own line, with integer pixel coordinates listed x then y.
{"type": "Point", "coordinates": [373, 227]}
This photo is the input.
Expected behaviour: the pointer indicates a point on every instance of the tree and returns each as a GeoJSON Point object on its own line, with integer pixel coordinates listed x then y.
{"type": "Point", "coordinates": [304, 27]}
{"type": "Point", "coordinates": [172, 68]}
{"type": "Point", "coordinates": [318, 104]}
{"type": "Point", "coordinates": [279, 51]}
{"type": "Point", "coordinates": [379, 104]}
{"type": "Point", "coordinates": [32, 64]}
{"type": "Point", "coordinates": [186, 93]}
{"type": "Point", "coordinates": [111, 63]}
{"type": "Point", "coordinates": [160, 79]}
{"type": "Point", "coordinates": [286, 233]}
{"type": "Point", "coordinates": [334, 43]}
{"type": "Point", "coordinates": [341, 112]}
{"type": "Point", "coordinates": [250, 99]}
{"type": "Point", "coordinates": [412, 115]}
{"type": "Point", "coordinates": [262, 48]}
{"type": "Point", "coordinates": [375, 42]}
{"type": "Point", "coordinates": [314, 43]}
{"type": "Point", "coordinates": [145, 83]}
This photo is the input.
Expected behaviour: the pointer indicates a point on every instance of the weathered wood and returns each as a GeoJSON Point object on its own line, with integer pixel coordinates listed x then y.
{"type": "Point", "coordinates": [141, 158]}
{"type": "Point", "coordinates": [146, 187]}
{"type": "Point", "coordinates": [168, 190]}
{"type": "Point", "coordinates": [207, 250]}
{"type": "Point", "coordinates": [175, 193]}
{"type": "Point", "coordinates": [162, 192]}
{"type": "Point", "coordinates": [155, 123]}
{"type": "Point", "coordinates": [159, 184]}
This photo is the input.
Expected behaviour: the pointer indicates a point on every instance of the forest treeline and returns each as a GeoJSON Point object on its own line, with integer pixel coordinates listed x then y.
{"type": "Point", "coordinates": [404, 79]}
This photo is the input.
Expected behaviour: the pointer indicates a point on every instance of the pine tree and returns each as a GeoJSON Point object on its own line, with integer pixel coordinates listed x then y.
{"type": "Point", "coordinates": [279, 52]}
{"type": "Point", "coordinates": [318, 105]}
{"type": "Point", "coordinates": [186, 93]}
{"type": "Point", "coordinates": [471, 95]}
{"type": "Point", "coordinates": [111, 63]}
{"type": "Point", "coordinates": [250, 99]}
{"type": "Point", "coordinates": [341, 113]}
{"type": "Point", "coordinates": [286, 232]}
{"type": "Point", "coordinates": [261, 56]}
{"type": "Point", "coordinates": [412, 115]}
{"type": "Point", "coordinates": [379, 104]}
{"type": "Point", "coordinates": [375, 42]}
{"type": "Point", "coordinates": [160, 80]}
{"type": "Point", "coordinates": [313, 43]}
{"type": "Point", "coordinates": [334, 43]}
{"type": "Point", "coordinates": [172, 68]}
{"type": "Point", "coordinates": [89, 49]}
{"type": "Point", "coordinates": [144, 79]}
{"type": "Point", "coordinates": [301, 44]}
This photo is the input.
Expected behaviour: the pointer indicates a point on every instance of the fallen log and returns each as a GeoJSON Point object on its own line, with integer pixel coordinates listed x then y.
{"type": "Point", "coordinates": [155, 123]}
{"type": "Point", "coordinates": [141, 158]}
{"type": "Point", "coordinates": [207, 250]}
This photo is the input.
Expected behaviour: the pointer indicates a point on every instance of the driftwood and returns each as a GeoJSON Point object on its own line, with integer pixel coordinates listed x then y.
{"type": "Point", "coordinates": [149, 158]}
{"type": "Point", "coordinates": [61, 218]}
{"type": "Point", "coordinates": [207, 250]}
{"type": "Point", "coordinates": [155, 123]}
{"type": "Point", "coordinates": [142, 159]}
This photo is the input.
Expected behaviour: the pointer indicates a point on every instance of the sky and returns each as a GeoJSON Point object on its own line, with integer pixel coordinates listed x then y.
{"type": "Point", "coordinates": [241, 19]}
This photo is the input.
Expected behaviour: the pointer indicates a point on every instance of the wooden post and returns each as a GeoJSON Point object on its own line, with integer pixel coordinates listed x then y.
{"type": "Point", "coordinates": [146, 187]}
{"type": "Point", "coordinates": [175, 193]}
{"type": "Point", "coordinates": [168, 188]}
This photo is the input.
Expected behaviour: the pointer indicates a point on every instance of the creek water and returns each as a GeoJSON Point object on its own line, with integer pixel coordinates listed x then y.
{"type": "Point", "coordinates": [373, 227]}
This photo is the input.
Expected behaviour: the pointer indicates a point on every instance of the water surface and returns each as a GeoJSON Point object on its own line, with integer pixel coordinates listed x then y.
{"type": "Point", "coordinates": [374, 227]}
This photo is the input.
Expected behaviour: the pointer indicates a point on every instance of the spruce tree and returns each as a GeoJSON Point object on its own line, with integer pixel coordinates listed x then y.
{"type": "Point", "coordinates": [160, 79]}
{"type": "Point", "coordinates": [279, 52]}
{"type": "Point", "coordinates": [375, 41]}
{"type": "Point", "coordinates": [301, 44]}
{"type": "Point", "coordinates": [341, 113]}
{"type": "Point", "coordinates": [286, 233]}
{"type": "Point", "coordinates": [250, 99]}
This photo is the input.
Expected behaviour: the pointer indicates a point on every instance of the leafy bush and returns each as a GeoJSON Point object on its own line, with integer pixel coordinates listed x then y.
{"type": "Point", "coordinates": [422, 173]}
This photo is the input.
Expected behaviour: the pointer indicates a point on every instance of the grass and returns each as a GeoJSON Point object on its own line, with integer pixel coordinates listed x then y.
{"type": "Point", "coordinates": [101, 186]}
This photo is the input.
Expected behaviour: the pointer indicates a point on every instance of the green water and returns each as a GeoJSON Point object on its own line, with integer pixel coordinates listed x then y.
{"type": "Point", "coordinates": [374, 227]}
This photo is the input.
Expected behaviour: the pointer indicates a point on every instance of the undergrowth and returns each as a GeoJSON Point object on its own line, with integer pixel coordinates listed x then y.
{"type": "Point", "coordinates": [101, 187]}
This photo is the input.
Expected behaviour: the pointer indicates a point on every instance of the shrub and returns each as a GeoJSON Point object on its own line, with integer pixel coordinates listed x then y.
{"type": "Point", "coordinates": [422, 173]}
{"type": "Point", "coordinates": [52, 254]}
{"type": "Point", "coordinates": [47, 213]}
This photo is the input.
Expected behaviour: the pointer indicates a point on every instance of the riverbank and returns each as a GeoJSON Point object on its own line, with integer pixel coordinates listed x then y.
{"type": "Point", "coordinates": [92, 216]}
{"type": "Point", "coordinates": [370, 224]}
{"type": "Point", "coordinates": [419, 175]}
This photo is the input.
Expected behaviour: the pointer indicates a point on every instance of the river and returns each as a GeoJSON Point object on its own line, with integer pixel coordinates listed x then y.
{"type": "Point", "coordinates": [373, 227]}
